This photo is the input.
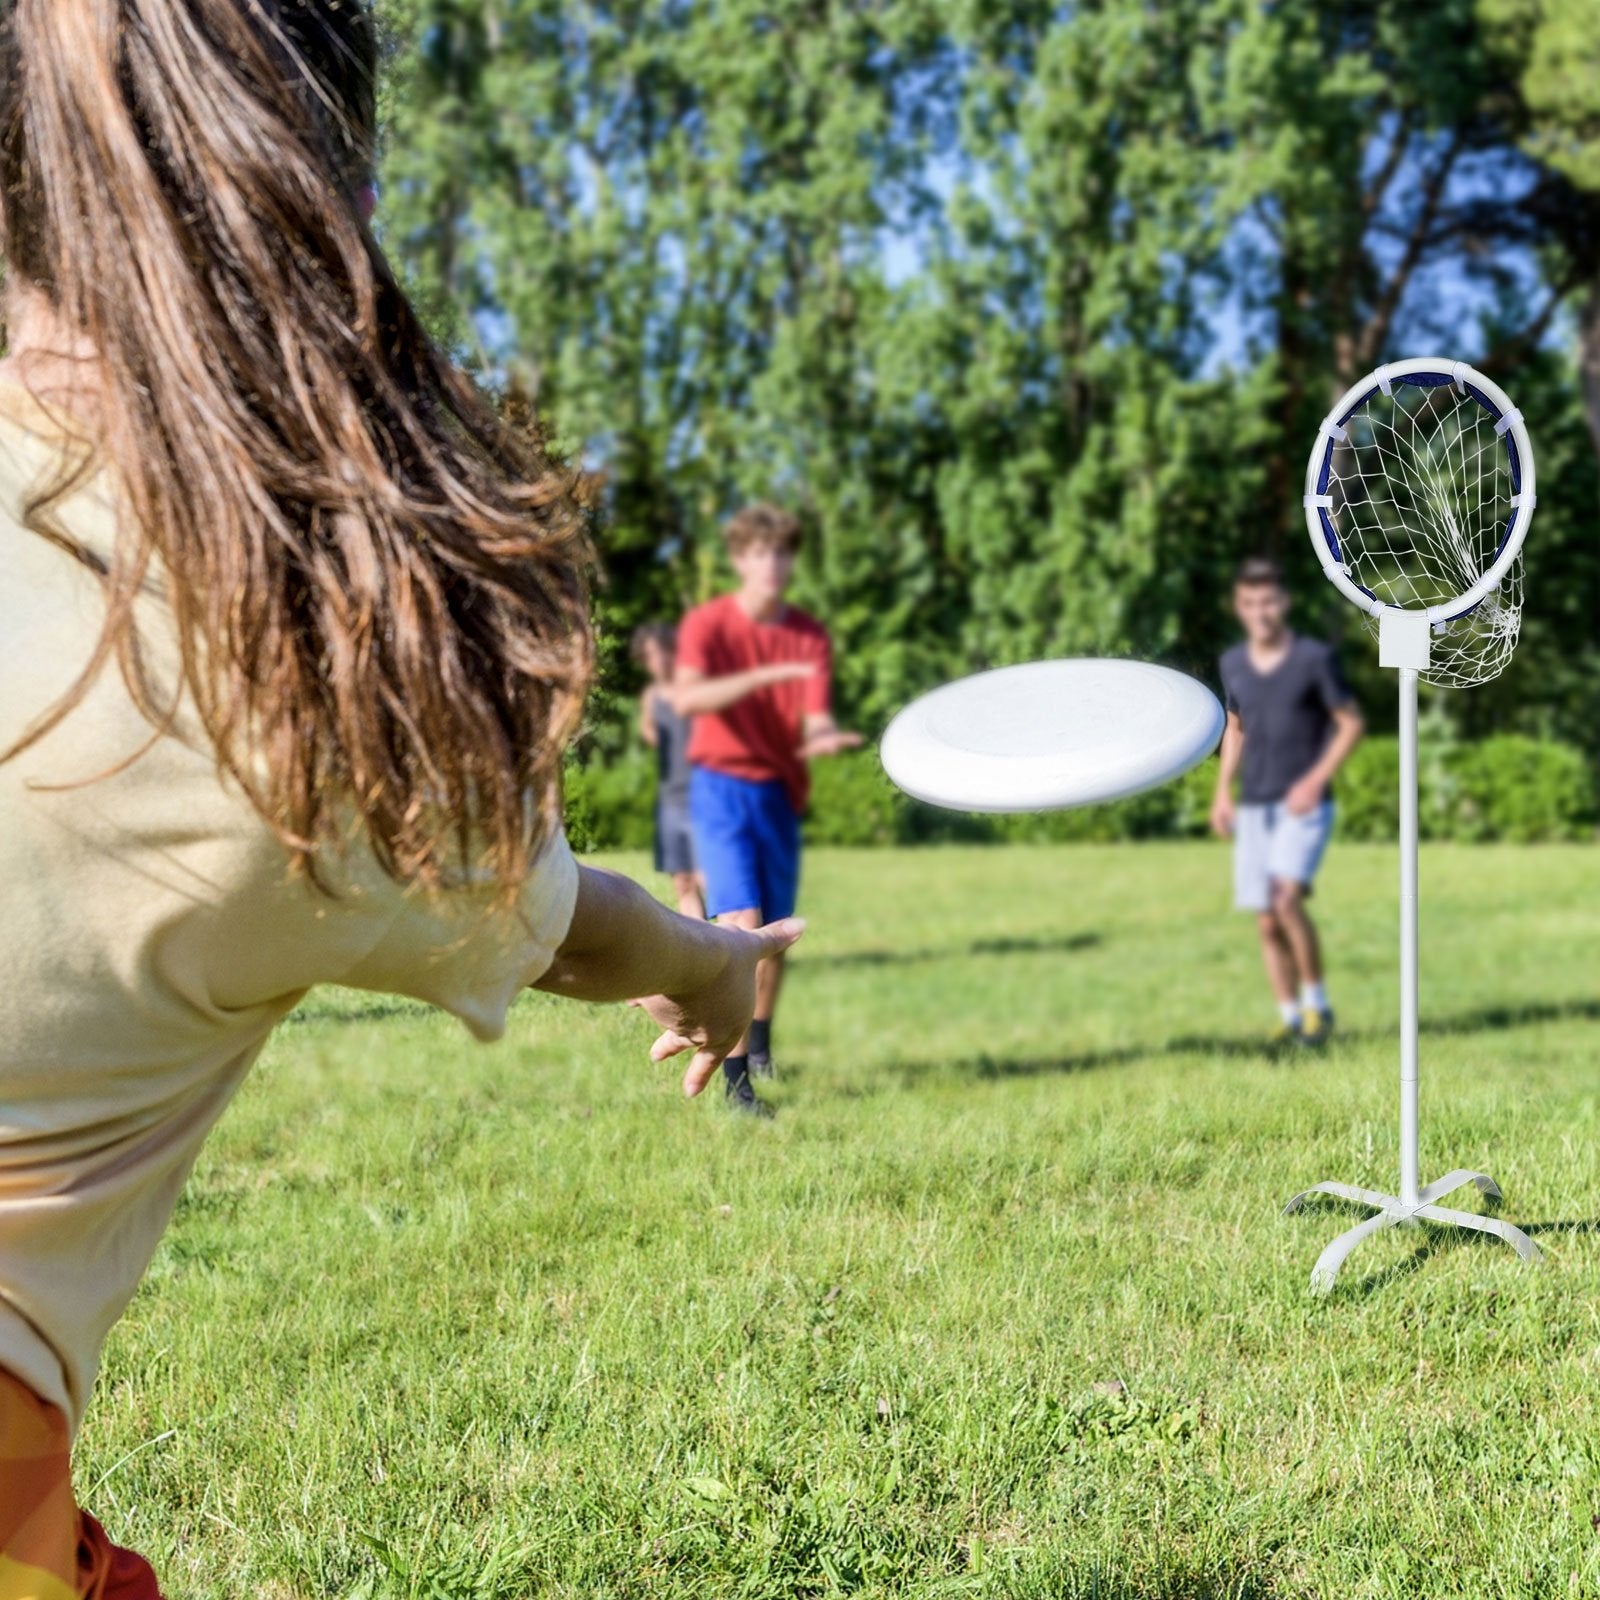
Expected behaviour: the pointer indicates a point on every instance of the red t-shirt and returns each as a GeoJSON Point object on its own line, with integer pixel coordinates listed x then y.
{"type": "Point", "coordinates": [759, 736]}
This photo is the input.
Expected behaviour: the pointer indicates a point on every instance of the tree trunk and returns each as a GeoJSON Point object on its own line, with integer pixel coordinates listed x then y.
{"type": "Point", "coordinates": [1285, 465]}
{"type": "Point", "coordinates": [1589, 360]}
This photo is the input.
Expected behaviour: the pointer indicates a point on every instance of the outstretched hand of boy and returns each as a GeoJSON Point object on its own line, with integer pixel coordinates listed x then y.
{"type": "Point", "coordinates": [823, 737]}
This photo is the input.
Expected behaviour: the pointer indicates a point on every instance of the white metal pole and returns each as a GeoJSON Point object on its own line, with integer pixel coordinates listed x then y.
{"type": "Point", "coordinates": [1408, 936]}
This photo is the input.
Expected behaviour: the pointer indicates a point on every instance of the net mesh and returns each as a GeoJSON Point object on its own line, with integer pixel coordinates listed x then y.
{"type": "Point", "coordinates": [1421, 489]}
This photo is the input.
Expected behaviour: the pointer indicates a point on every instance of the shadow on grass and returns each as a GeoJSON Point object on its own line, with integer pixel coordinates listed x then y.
{"type": "Point", "coordinates": [1486, 1019]}
{"type": "Point", "coordinates": [1482, 1019]}
{"type": "Point", "coordinates": [383, 1008]}
{"type": "Point", "coordinates": [1064, 944]}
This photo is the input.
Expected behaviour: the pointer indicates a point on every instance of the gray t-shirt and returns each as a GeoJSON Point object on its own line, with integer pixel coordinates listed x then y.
{"type": "Point", "coordinates": [1287, 714]}
{"type": "Point", "coordinates": [672, 752]}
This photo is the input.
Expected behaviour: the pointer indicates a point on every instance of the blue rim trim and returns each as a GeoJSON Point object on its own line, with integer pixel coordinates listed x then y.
{"type": "Point", "coordinates": [1420, 380]}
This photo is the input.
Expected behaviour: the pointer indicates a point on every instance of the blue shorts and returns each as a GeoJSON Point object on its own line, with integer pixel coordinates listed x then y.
{"type": "Point", "coordinates": [747, 837]}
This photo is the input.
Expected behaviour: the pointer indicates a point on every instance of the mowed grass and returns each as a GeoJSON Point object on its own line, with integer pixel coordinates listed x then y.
{"type": "Point", "coordinates": [1000, 1304]}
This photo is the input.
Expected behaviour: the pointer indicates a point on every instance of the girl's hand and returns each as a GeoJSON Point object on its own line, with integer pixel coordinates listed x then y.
{"type": "Point", "coordinates": [711, 1016]}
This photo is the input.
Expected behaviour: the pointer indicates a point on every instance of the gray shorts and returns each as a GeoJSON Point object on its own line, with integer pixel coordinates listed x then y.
{"type": "Point", "coordinates": [1272, 845]}
{"type": "Point", "coordinates": [674, 837]}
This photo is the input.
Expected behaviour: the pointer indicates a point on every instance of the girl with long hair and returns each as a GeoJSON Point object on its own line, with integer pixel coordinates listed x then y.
{"type": "Point", "coordinates": [294, 632]}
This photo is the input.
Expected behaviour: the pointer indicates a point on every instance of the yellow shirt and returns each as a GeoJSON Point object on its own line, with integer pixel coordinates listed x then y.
{"type": "Point", "coordinates": [152, 936]}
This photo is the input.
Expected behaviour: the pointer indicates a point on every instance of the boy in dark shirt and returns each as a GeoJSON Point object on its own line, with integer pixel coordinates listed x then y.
{"type": "Point", "coordinates": [1291, 723]}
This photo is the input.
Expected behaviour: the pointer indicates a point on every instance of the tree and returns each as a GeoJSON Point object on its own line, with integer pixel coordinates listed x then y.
{"type": "Point", "coordinates": [1030, 310]}
{"type": "Point", "coordinates": [637, 210]}
{"type": "Point", "coordinates": [1549, 52]}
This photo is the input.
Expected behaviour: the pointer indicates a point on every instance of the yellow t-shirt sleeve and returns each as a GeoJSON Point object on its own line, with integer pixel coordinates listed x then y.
{"type": "Point", "coordinates": [460, 951]}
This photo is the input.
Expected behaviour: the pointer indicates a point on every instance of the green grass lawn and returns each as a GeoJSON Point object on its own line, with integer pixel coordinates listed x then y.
{"type": "Point", "coordinates": [1001, 1303]}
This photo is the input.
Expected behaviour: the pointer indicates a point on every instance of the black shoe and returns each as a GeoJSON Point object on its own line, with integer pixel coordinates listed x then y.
{"type": "Point", "coordinates": [761, 1066]}
{"type": "Point", "coordinates": [742, 1097]}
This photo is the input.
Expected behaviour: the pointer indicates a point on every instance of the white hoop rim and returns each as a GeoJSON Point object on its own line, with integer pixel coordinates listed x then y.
{"type": "Point", "coordinates": [1425, 372]}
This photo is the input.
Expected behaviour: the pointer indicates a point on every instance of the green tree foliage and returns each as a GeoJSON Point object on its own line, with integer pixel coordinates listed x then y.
{"type": "Point", "coordinates": [1549, 53]}
{"type": "Point", "coordinates": [1553, 47]}
{"type": "Point", "coordinates": [1030, 310]}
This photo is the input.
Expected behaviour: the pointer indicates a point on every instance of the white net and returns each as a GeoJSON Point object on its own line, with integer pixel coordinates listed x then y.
{"type": "Point", "coordinates": [1421, 490]}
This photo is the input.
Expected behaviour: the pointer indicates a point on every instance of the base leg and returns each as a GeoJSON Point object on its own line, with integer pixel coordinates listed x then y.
{"type": "Point", "coordinates": [1331, 1259]}
{"type": "Point", "coordinates": [1459, 1179]}
{"type": "Point", "coordinates": [1515, 1237]}
{"type": "Point", "coordinates": [1343, 1191]}
{"type": "Point", "coordinates": [1391, 1211]}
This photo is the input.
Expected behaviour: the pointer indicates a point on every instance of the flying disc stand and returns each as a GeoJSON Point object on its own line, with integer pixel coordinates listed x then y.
{"type": "Point", "coordinates": [1404, 642]}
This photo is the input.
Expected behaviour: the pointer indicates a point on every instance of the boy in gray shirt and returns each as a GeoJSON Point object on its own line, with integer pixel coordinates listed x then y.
{"type": "Point", "coordinates": [1292, 721]}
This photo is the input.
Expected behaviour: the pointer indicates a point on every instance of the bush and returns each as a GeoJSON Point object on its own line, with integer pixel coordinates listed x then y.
{"type": "Point", "coordinates": [1145, 816]}
{"type": "Point", "coordinates": [1508, 787]}
{"type": "Point", "coordinates": [1367, 789]}
{"type": "Point", "coordinates": [612, 807]}
{"type": "Point", "coordinates": [853, 803]}
{"type": "Point", "coordinates": [1191, 801]}
{"type": "Point", "coordinates": [1511, 787]}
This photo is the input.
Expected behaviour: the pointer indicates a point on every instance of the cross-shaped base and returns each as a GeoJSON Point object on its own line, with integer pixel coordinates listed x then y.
{"type": "Point", "coordinates": [1396, 1213]}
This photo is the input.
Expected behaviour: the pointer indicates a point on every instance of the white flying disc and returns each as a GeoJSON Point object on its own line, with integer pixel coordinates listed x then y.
{"type": "Point", "coordinates": [1051, 734]}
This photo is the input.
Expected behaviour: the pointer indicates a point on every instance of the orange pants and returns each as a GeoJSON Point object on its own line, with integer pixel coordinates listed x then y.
{"type": "Point", "coordinates": [49, 1549]}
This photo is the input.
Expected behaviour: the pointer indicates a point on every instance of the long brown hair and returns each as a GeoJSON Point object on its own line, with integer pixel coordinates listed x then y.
{"type": "Point", "coordinates": [379, 586]}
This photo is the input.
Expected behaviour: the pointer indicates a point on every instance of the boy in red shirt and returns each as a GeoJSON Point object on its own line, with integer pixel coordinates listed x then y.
{"type": "Point", "coordinates": [756, 675]}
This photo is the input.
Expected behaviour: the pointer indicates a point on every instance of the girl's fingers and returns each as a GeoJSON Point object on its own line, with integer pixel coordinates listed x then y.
{"type": "Point", "coordinates": [668, 1045]}
{"type": "Point", "coordinates": [701, 1071]}
{"type": "Point", "coordinates": [778, 936]}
